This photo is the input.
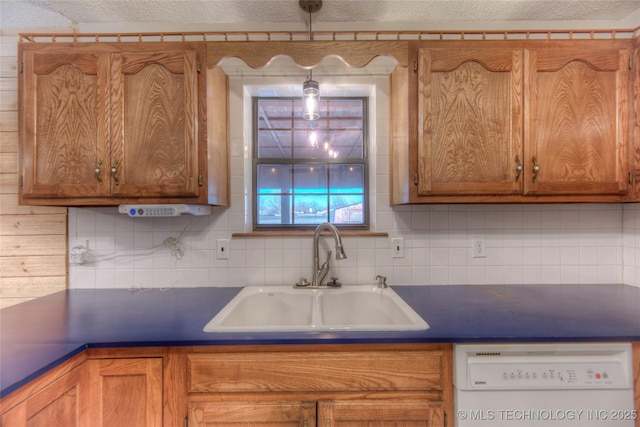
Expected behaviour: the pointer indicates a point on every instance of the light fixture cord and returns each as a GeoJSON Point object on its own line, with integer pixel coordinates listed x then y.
{"type": "Point", "coordinates": [310, 37]}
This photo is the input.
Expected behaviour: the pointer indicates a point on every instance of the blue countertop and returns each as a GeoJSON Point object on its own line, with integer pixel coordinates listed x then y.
{"type": "Point", "coordinates": [39, 334]}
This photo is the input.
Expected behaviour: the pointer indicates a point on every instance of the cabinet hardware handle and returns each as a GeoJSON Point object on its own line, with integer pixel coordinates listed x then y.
{"type": "Point", "coordinates": [97, 171]}
{"type": "Point", "coordinates": [536, 168]}
{"type": "Point", "coordinates": [114, 172]}
{"type": "Point", "coordinates": [519, 168]}
{"type": "Point", "coordinates": [327, 423]}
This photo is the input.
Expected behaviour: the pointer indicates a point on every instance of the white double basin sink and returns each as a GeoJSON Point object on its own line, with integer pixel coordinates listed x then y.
{"type": "Point", "coordinates": [285, 309]}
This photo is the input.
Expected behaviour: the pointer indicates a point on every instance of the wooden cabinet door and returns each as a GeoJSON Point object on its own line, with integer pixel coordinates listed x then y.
{"type": "Point", "coordinates": [128, 391]}
{"type": "Point", "coordinates": [367, 413]}
{"type": "Point", "coordinates": [154, 150]}
{"type": "Point", "coordinates": [576, 121]}
{"type": "Point", "coordinates": [66, 402]}
{"type": "Point", "coordinates": [469, 121]}
{"type": "Point", "coordinates": [208, 414]}
{"type": "Point", "coordinates": [64, 124]}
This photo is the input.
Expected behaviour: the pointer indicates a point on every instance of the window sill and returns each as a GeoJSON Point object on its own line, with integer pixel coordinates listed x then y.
{"type": "Point", "coordinates": [305, 233]}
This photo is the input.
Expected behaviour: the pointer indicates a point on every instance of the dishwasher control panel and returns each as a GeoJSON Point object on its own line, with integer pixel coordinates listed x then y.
{"type": "Point", "coordinates": [516, 375]}
{"type": "Point", "coordinates": [543, 366]}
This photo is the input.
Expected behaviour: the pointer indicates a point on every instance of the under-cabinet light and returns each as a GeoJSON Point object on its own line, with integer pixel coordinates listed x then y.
{"type": "Point", "coordinates": [164, 210]}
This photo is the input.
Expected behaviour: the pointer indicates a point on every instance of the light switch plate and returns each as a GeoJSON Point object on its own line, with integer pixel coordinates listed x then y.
{"type": "Point", "coordinates": [222, 248]}
{"type": "Point", "coordinates": [397, 247]}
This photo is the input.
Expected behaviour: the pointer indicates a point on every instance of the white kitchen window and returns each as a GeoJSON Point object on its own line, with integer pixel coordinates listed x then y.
{"type": "Point", "coordinates": [309, 172]}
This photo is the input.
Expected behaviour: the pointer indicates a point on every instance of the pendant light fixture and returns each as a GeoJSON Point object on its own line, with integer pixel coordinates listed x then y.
{"type": "Point", "coordinates": [310, 88]}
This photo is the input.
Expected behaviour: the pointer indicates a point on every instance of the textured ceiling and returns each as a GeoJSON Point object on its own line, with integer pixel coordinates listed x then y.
{"type": "Point", "coordinates": [286, 15]}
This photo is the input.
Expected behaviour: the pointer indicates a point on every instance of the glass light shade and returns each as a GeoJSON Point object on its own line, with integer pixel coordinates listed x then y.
{"type": "Point", "coordinates": [311, 100]}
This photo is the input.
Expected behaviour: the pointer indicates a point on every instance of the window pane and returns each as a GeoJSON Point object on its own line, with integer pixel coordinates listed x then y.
{"type": "Point", "coordinates": [310, 209]}
{"type": "Point", "coordinates": [310, 188]}
{"type": "Point", "coordinates": [274, 179]}
{"type": "Point", "coordinates": [274, 210]}
{"type": "Point", "coordinates": [347, 209]}
{"type": "Point", "coordinates": [310, 144]}
{"type": "Point", "coordinates": [347, 179]}
{"type": "Point", "coordinates": [273, 188]}
{"type": "Point", "coordinates": [347, 193]}
{"type": "Point", "coordinates": [274, 144]}
{"type": "Point", "coordinates": [310, 179]}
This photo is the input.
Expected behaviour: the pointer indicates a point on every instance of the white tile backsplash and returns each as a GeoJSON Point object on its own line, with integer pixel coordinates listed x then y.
{"type": "Point", "coordinates": [523, 246]}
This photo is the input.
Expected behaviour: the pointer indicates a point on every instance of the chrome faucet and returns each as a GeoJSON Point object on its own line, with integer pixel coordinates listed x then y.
{"type": "Point", "coordinates": [320, 271]}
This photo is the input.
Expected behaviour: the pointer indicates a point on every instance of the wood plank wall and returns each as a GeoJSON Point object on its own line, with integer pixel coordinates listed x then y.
{"type": "Point", "coordinates": [33, 240]}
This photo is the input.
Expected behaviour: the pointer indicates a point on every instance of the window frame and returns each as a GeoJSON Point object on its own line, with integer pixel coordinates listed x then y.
{"type": "Point", "coordinates": [256, 161]}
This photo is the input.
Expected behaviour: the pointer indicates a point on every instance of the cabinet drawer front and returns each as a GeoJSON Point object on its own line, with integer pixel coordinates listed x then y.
{"type": "Point", "coordinates": [209, 414]}
{"type": "Point", "coordinates": [315, 371]}
{"type": "Point", "coordinates": [406, 413]}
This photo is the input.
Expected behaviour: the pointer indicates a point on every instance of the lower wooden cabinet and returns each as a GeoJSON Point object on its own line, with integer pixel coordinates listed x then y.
{"type": "Point", "coordinates": [95, 392]}
{"type": "Point", "coordinates": [66, 402]}
{"type": "Point", "coordinates": [396, 385]}
{"type": "Point", "coordinates": [257, 385]}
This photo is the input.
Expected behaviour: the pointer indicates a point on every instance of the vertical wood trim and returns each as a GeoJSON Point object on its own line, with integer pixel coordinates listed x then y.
{"type": "Point", "coordinates": [636, 380]}
{"type": "Point", "coordinates": [175, 402]}
{"type": "Point", "coordinates": [530, 118]}
{"type": "Point", "coordinates": [425, 131]}
{"type": "Point", "coordinates": [218, 136]}
{"type": "Point", "coordinates": [622, 88]}
{"type": "Point", "coordinates": [399, 136]}
{"type": "Point", "coordinates": [517, 115]}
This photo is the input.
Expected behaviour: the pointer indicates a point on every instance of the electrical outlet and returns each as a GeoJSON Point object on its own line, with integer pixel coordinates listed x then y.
{"type": "Point", "coordinates": [222, 248]}
{"type": "Point", "coordinates": [397, 247]}
{"type": "Point", "coordinates": [78, 255]}
{"type": "Point", "coordinates": [479, 248]}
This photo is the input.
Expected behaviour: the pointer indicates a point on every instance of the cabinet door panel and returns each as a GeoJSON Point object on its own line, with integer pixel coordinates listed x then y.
{"type": "Point", "coordinates": [469, 121]}
{"type": "Point", "coordinates": [154, 146]}
{"type": "Point", "coordinates": [576, 117]}
{"type": "Point", "coordinates": [402, 413]}
{"type": "Point", "coordinates": [130, 391]}
{"type": "Point", "coordinates": [64, 403]}
{"type": "Point", "coordinates": [64, 125]}
{"type": "Point", "coordinates": [208, 414]}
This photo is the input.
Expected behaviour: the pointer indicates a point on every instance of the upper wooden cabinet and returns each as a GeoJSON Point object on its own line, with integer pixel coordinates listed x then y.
{"type": "Point", "coordinates": [154, 150]}
{"type": "Point", "coordinates": [107, 123]}
{"type": "Point", "coordinates": [64, 124]}
{"type": "Point", "coordinates": [576, 120]}
{"type": "Point", "coordinates": [526, 121]}
{"type": "Point", "coordinates": [470, 121]}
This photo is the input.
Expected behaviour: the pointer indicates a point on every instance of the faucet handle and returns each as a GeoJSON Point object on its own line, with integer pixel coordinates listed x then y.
{"type": "Point", "coordinates": [382, 281]}
{"type": "Point", "coordinates": [302, 283]}
{"type": "Point", "coordinates": [334, 283]}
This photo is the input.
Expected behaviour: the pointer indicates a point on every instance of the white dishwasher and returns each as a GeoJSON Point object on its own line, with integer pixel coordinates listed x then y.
{"type": "Point", "coordinates": [526, 385]}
